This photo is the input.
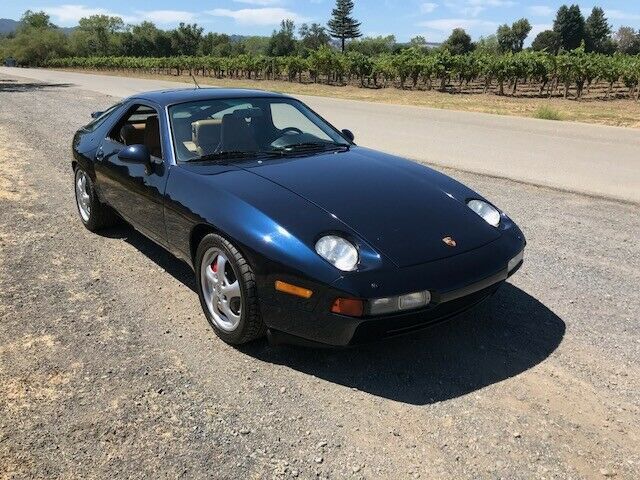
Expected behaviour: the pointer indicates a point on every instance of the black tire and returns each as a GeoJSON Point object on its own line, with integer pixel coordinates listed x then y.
{"type": "Point", "coordinates": [100, 215]}
{"type": "Point", "coordinates": [250, 326]}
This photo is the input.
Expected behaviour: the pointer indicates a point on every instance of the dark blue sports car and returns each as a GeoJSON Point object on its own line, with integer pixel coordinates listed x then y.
{"type": "Point", "coordinates": [292, 230]}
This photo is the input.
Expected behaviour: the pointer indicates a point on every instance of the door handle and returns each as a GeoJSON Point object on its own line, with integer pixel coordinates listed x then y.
{"type": "Point", "coordinates": [99, 154]}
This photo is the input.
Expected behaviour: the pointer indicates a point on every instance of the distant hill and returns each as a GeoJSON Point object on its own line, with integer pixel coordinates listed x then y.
{"type": "Point", "coordinates": [7, 25]}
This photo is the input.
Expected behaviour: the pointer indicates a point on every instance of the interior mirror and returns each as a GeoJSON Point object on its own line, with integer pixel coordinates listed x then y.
{"type": "Point", "coordinates": [135, 154]}
{"type": "Point", "coordinates": [96, 114]}
{"type": "Point", "coordinates": [348, 134]}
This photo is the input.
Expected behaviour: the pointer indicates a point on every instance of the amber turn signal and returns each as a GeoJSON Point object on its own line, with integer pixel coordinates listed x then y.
{"type": "Point", "coordinates": [293, 289]}
{"type": "Point", "coordinates": [352, 307]}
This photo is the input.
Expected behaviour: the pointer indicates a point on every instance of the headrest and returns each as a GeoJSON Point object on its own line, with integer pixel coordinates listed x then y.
{"type": "Point", "coordinates": [201, 129]}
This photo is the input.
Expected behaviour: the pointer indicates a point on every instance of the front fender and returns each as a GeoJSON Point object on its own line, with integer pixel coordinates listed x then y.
{"type": "Point", "coordinates": [272, 226]}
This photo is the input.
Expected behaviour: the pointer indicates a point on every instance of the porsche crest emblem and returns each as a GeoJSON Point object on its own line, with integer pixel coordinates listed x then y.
{"type": "Point", "coordinates": [449, 242]}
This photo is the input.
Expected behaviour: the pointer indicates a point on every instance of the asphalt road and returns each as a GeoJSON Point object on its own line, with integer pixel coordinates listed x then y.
{"type": "Point", "coordinates": [592, 159]}
{"type": "Point", "coordinates": [109, 370]}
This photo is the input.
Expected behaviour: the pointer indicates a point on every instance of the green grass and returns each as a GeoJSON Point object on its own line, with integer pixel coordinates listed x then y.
{"type": "Point", "coordinates": [545, 112]}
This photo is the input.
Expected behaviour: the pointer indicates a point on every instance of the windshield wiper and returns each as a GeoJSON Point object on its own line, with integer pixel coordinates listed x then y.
{"type": "Point", "coordinates": [224, 155]}
{"type": "Point", "coordinates": [312, 146]}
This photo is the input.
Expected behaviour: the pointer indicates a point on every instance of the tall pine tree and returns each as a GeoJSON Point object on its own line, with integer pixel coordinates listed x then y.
{"type": "Point", "coordinates": [342, 25]}
{"type": "Point", "coordinates": [598, 32]}
{"type": "Point", "coordinates": [569, 24]}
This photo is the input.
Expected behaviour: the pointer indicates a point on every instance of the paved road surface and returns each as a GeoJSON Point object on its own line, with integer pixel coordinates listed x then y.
{"type": "Point", "coordinates": [593, 159]}
{"type": "Point", "coordinates": [109, 370]}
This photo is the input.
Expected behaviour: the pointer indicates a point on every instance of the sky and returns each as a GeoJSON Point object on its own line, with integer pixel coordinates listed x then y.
{"type": "Point", "coordinates": [403, 18]}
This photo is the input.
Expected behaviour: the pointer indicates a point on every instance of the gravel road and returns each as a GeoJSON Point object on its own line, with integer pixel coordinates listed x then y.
{"type": "Point", "coordinates": [109, 370]}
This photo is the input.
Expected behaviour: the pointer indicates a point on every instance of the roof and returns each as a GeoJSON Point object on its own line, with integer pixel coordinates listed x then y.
{"type": "Point", "coordinates": [169, 97]}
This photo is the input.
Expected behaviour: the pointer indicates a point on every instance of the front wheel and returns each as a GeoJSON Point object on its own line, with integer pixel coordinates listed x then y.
{"type": "Point", "coordinates": [227, 290]}
{"type": "Point", "coordinates": [93, 214]}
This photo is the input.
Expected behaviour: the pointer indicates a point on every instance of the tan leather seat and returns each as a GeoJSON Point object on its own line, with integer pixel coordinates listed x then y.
{"type": "Point", "coordinates": [132, 134]}
{"type": "Point", "coordinates": [152, 136]}
{"type": "Point", "coordinates": [205, 135]}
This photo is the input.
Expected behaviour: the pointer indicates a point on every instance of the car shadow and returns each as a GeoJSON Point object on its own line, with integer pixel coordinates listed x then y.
{"type": "Point", "coordinates": [8, 85]}
{"type": "Point", "coordinates": [506, 335]}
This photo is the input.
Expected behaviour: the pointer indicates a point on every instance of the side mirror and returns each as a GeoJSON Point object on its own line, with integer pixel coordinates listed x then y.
{"type": "Point", "coordinates": [96, 114]}
{"type": "Point", "coordinates": [348, 134]}
{"type": "Point", "coordinates": [135, 154]}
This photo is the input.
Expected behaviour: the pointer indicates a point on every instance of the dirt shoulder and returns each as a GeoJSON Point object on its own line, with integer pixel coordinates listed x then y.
{"type": "Point", "coordinates": [615, 112]}
{"type": "Point", "coordinates": [108, 368]}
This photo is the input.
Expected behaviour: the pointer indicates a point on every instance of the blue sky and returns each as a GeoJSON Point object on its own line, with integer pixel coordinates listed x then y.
{"type": "Point", "coordinates": [433, 19]}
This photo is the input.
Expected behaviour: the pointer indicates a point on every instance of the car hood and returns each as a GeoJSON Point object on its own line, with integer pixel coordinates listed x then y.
{"type": "Point", "coordinates": [403, 209]}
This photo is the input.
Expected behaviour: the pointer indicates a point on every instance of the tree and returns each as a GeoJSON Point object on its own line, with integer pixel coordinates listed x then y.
{"type": "Point", "coordinates": [186, 39]}
{"type": "Point", "coordinates": [373, 46]}
{"type": "Point", "coordinates": [342, 26]}
{"type": "Point", "coordinates": [459, 42]}
{"type": "Point", "coordinates": [216, 44]}
{"type": "Point", "coordinates": [36, 41]}
{"type": "Point", "coordinates": [146, 40]}
{"type": "Point", "coordinates": [511, 38]}
{"type": "Point", "coordinates": [598, 32]}
{"type": "Point", "coordinates": [313, 36]}
{"type": "Point", "coordinates": [254, 45]}
{"type": "Point", "coordinates": [628, 41]}
{"type": "Point", "coordinates": [31, 19]}
{"type": "Point", "coordinates": [282, 42]}
{"type": "Point", "coordinates": [569, 24]}
{"type": "Point", "coordinates": [488, 45]}
{"type": "Point", "coordinates": [520, 31]}
{"type": "Point", "coordinates": [96, 36]}
{"type": "Point", "coordinates": [547, 41]}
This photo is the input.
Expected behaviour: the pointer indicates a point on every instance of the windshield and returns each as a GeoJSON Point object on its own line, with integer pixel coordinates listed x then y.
{"type": "Point", "coordinates": [226, 128]}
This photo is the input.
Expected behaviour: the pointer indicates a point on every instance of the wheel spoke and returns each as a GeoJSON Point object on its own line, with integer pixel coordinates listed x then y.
{"type": "Point", "coordinates": [228, 312]}
{"type": "Point", "coordinates": [231, 290]}
{"type": "Point", "coordinates": [212, 277]}
{"type": "Point", "coordinates": [221, 263]}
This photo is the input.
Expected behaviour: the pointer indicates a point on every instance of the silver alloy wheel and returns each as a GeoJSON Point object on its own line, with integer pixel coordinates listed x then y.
{"type": "Point", "coordinates": [83, 198]}
{"type": "Point", "coordinates": [221, 290]}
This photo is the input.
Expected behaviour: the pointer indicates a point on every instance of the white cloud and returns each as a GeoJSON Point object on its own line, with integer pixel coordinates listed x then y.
{"type": "Point", "coordinates": [473, 8]}
{"type": "Point", "coordinates": [263, 3]}
{"type": "Point", "coordinates": [258, 16]}
{"type": "Point", "coordinates": [620, 15]}
{"type": "Point", "coordinates": [448, 24]}
{"type": "Point", "coordinates": [428, 7]}
{"type": "Point", "coordinates": [167, 16]}
{"type": "Point", "coordinates": [536, 28]}
{"type": "Point", "coordinates": [540, 10]}
{"type": "Point", "coordinates": [71, 13]}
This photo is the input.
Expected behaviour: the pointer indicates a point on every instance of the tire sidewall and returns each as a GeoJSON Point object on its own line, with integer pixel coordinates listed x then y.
{"type": "Point", "coordinates": [216, 241]}
{"type": "Point", "coordinates": [90, 223]}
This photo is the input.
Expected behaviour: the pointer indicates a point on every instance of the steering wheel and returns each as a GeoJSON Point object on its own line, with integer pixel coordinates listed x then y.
{"type": "Point", "coordinates": [285, 131]}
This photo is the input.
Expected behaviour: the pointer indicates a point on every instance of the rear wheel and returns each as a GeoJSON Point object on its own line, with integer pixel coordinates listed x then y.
{"type": "Point", "coordinates": [227, 291]}
{"type": "Point", "coordinates": [93, 214]}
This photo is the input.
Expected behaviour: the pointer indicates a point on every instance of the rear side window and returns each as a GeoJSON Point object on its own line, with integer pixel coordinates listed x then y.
{"type": "Point", "coordinates": [96, 122]}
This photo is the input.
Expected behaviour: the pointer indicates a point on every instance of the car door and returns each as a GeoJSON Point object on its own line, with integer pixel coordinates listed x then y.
{"type": "Point", "coordinates": [135, 191]}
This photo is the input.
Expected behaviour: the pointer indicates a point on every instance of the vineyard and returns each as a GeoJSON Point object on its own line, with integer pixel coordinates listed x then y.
{"type": "Point", "coordinates": [575, 74]}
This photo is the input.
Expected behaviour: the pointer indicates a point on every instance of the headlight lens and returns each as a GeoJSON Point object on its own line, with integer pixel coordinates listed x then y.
{"type": "Point", "coordinates": [490, 214]}
{"type": "Point", "coordinates": [341, 253]}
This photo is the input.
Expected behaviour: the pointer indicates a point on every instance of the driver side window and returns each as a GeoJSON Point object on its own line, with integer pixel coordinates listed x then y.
{"type": "Point", "coordinates": [139, 126]}
{"type": "Point", "coordinates": [286, 116]}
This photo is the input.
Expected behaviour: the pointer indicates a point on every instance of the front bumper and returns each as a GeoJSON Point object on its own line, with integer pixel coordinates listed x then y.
{"type": "Point", "coordinates": [456, 284]}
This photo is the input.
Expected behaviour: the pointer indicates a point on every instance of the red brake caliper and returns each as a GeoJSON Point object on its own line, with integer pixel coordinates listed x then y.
{"type": "Point", "coordinates": [214, 265]}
